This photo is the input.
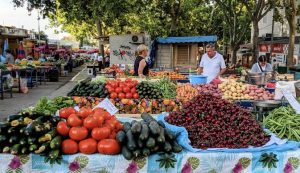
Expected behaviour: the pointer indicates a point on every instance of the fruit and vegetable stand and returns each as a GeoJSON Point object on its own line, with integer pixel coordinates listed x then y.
{"type": "Point", "coordinates": [204, 130]}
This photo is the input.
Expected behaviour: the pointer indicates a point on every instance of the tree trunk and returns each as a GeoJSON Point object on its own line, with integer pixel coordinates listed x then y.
{"type": "Point", "coordinates": [234, 52]}
{"type": "Point", "coordinates": [255, 41]}
{"type": "Point", "coordinates": [80, 42]}
{"type": "Point", "coordinates": [100, 34]}
{"type": "Point", "coordinates": [291, 16]}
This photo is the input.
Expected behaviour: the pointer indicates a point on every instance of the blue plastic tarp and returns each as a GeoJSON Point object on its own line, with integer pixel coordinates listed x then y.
{"type": "Point", "coordinates": [192, 39]}
{"type": "Point", "coordinates": [275, 144]}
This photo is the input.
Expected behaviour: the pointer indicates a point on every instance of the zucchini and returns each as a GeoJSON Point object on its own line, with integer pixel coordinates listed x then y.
{"type": "Point", "coordinates": [55, 143]}
{"type": "Point", "coordinates": [126, 153]}
{"type": "Point", "coordinates": [54, 154]}
{"type": "Point", "coordinates": [155, 149]}
{"type": "Point", "coordinates": [33, 147]}
{"type": "Point", "coordinates": [13, 117]}
{"type": "Point", "coordinates": [146, 152]}
{"type": "Point", "coordinates": [131, 144]}
{"type": "Point", "coordinates": [23, 141]}
{"type": "Point", "coordinates": [22, 130]}
{"type": "Point", "coordinates": [132, 122]}
{"type": "Point", "coordinates": [136, 153]}
{"type": "Point", "coordinates": [167, 146]}
{"type": "Point", "coordinates": [15, 149]}
{"type": "Point", "coordinates": [146, 117]}
{"type": "Point", "coordinates": [127, 126]}
{"type": "Point", "coordinates": [24, 150]}
{"type": "Point", "coordinates": [136, 128]}
{"type": "Point", "coordinates": [140, 143]}
{"type": "Point", "coordinates": [154, 128]}
{"type": "Point", "coordinates": [31, 140]}
{"type": "Point", "coordinates": [13, 139]}
{"type": "Point", "coordinates": [169, 134]}
{"type": "Point", "coordinates": [144, 132]}
{"type": "Point", "coordinates": [150, 143]}
{"type": "Point", "coordinates": [29, 130]}
{"type": "Point", "coordinates": [48, 136]}
{"type": "Point", "coordinates": [161, 138]}
{"type": "Point", "coordinates": [176, 147]}
{"type": "Point", "coordinates": [121, 136]}
{"type": "Point", "coordinates": [4, 127]}
{"type": "Point", "coordinates": [3, 139]}
{"type": "Point", "coordinates": [161, 123]}
{"type": "Point", "coordinates": [12, 130]}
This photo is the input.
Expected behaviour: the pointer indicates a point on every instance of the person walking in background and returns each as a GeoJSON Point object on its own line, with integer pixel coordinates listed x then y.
{"type": "Point", "coordinates": [100, 61]}
{"type": "Point", "coordinates": [107, 61]}
{"type": "Point", "coordinates": [10, 59]}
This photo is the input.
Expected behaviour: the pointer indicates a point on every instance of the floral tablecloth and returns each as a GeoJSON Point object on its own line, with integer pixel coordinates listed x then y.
{"type": "Point", "coordinates": [214, 162]}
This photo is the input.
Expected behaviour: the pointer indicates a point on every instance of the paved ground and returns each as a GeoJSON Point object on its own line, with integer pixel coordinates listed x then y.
{"type": "Point", "coordinates": [19, 101]}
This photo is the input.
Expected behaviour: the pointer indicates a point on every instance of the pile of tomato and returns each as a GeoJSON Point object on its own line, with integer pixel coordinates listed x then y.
{"type": "Point", "coordinates": [88, 131]}
{"type": "Point", "coordinates": [122, 89]}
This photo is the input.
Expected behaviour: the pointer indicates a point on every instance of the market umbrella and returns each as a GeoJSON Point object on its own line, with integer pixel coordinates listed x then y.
{"type": "Point", "coordinates": [21, 51]}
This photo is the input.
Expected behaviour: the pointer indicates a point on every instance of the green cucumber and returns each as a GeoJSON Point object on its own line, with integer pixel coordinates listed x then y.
{"type": "Point", "coordinates": [154, 128]}
{"type": "Point", "coordinates": [55, 142]}
{"type": "Point", "coordinates": [150, 143]}
{"type": "Point", "coordinates": [176, 147]}
{"type": "Point", "coordinates": [136, 153]}
{"type": "Point", "coordinates": [144, 132]}
{"type": "Point", "coordinates": [13, 139]}
{"type": "Point", "coordinates": [127, 153]}
{"type": "Point", "coordinates": [53, 154]}
{"type": "Point", "coordinates": [136, 128]}
{"type": "Point", "coordinates": [167, 146]}
{"type": "Point", "coordinates": [127, 126]}
{"type": "Point", "coordinates": [146, 152]}
{"type": "Point", "coordinates": [13, 117]}
{"type": "Point", "coordinates": [146, 117]}
{"type": "Point", "coordinates": [33, 147]}
{"type": "Point", "coordinates": [131, 144]}
{"type": "Point", "coordinates": [161, 123]}
{"type": "Point", "coordinates": [3, 139]}
{"type": "Point", "coordinates": [23, 141]}
{"type": "Point", "coordinates": [121, 136]}
{"type": "Point", "coordinates": [24, 150]}
{"type": "Point", "coordinates": [31, 140]}
{"type": "Point", "coordinates": [161, 138]}
{"type": "Point", "coordinates": [140, 143]}
{"type": "Point", "coordinates": [169, 134]}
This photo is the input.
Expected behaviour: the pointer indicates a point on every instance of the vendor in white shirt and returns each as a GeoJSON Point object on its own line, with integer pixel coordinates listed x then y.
{"type": "Point", "coordinates": [212, 64]}
{"type": "Point", "coordinates": [262, 65]}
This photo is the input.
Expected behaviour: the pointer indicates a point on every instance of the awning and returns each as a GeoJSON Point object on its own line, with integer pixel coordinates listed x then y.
{"type": "Point", "coordinates": [192, 39]}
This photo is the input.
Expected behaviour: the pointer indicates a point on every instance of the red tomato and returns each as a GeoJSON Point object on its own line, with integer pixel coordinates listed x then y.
{"type": "Point", "coordinates": [78, 133]}
{"type": "Point", "coordinates": [126, 89]}
{"type": "Point", "coordinates": [90, 122]}
{"type": "Point", "coordinates": [128, 80]}
{"type": "Point", "coordinates": [136, 95]}
{"type": "Point", "coordinates": [88, 146]}
{"type": "Point", "coordinates": [62, 128]}
{"type": "Point", "coordinates": [111, 90]}
{"type": "Point", "coordinates": [71, 110]}
{"type": "Point", "coordinates": [106, 115]}
{"type": "Point", "coordinates": [69, 146]}
{"type": "Point", "coordinates": [128, 95]}
{"type": "Point", "coordinates": [122, 85]}
{"type": "Point", "coordinates": [101, 133]}
{"type": "Point", "coordinates": [85, 112]}
{"type": "Point", "coordinates": [118, 90]}
{"type": "Point", "coordinates": [113, 95]}
{"type": "Point", "coordinates": [64, 113]}
{"type": "Point", "coordinates": [114, 84]}
{"type": "Point", "coordinates": [74, 120]}
{"type": "Point", "coordinates": [133, 90]}
{"type": "Point", "coordinates": [109, 146]}
{"type": "Point", "coordinates": [121, 95]}
{"type": "Point", "coordinates": [99, 119]}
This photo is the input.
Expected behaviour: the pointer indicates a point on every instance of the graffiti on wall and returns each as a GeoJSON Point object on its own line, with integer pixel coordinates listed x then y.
{"type": "Point", "coordinates": [125, 53]}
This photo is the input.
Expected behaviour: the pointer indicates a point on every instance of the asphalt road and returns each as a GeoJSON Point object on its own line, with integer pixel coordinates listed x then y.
{"type": "Point", "coordinates": [19, 101]}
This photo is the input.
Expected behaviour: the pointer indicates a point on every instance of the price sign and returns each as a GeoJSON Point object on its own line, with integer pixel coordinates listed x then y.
{"type": "Point", "coordinates": [108, 106]}
{"type": "Point", "coordinates": [292, 100]}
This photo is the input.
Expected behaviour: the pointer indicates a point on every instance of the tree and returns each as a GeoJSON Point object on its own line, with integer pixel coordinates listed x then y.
{"type": "Point", "coordinates": [41, 36]}
{"type": "Point", "coordinates": [257, 9]}
{"type": "Point", "coordinates": [291, 11]}
{"type": "Point", "coordinates": [237, 23]}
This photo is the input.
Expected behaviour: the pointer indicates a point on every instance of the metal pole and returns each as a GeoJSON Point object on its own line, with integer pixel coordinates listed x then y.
{"type": "Point", "coordinates": [272, 37]}
{"type": "Point", "coordinates": [39, 27]}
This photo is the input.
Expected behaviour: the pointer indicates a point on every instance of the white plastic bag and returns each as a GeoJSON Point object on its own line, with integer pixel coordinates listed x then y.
{"type": "Point", "coordinates": [283, 85]}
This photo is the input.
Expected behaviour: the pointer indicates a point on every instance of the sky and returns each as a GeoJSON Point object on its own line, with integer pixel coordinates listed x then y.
{"type": "Point", "coordinates": [19, 17]}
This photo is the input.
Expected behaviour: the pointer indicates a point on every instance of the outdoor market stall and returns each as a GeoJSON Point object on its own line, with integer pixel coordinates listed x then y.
{"type": "Point", "coordinates": [203, 129]}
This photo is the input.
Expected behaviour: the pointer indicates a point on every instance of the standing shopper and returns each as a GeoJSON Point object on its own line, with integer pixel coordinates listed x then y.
{"type": "Point", "coordinates": [9, 57]}
{"type": "Point", "coordinates": [262, 65]}
{"type": "Point", "coordinates": [212, 64]}
{"type": "Point", "coordinates": [107, 61]}
{"type": "Point", "coordinates": [141, 68]}
{"type": "Point", "coordinates": [100, 61]}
